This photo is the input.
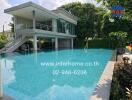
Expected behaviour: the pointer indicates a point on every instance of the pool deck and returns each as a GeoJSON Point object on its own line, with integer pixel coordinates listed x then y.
{"type": "Point", "coordinates": [102, 90]}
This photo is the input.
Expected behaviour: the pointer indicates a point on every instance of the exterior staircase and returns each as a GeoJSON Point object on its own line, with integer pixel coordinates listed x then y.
{"type": "Point", "coordinates": [13, 44]}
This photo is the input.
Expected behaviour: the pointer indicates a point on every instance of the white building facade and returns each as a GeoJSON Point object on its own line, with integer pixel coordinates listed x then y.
{"type": "Point", "coordinates": [32, 20]}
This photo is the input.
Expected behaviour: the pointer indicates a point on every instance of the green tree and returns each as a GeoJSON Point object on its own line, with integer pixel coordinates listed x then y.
{"type": "Point", "coordinates": [89, 23]}
{"type": "Point", "coordinates": [118, 25]}
{"type": "Point", "coordinates": [127, 4]}
{"type": "Point", "coordinates": [118, 38]}
{"type": "Point", "coordinates": [113, 24]}
{"type": "Point", "coordinates": [12, 25]}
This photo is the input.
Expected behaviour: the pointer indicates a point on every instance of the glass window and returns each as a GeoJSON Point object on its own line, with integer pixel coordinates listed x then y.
{"type": "Point", "coordinates": [65, 26]}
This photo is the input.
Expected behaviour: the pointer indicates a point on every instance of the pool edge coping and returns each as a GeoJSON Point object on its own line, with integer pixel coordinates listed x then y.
{"type": "Point", "coordinates": [102, 90]}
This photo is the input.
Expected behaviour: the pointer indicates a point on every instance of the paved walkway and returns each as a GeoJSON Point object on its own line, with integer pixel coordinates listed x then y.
{"type": "Point", "coordinates": [102, 90]}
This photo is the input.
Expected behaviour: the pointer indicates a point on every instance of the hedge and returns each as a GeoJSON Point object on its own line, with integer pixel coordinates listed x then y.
{"type": "Point", "coordinates": [95, 43]}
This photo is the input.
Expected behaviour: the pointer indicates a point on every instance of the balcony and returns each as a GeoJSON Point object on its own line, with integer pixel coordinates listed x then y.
{"type": "Point", "coordinates": [45, 29]}
{"type": "Point", "coordinates": [41, 30]}
{"type": "Point", "coordinates": [29, 26]}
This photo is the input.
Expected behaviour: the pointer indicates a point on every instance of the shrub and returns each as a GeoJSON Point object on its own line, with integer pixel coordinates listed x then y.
{"type": "Point", "coordinates": [99, 43]}
{"type": "Point", "coordinates": [122, 79]}
{"type": "Point", "coordinates": [93, 43]}
{"type": "Point", "coordinates": [2, 44]}
{"type": "Point", "coordinates": [3, 37]}
{"type": "Point", "coordinates": [79, 43]}
{"type": "Point", "coordinates": [129, 93]}
{"type": "Point", "coordinates": [118, 38]}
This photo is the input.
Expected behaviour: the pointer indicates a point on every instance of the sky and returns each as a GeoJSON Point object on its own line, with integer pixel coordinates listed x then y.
{"type": "Point", "coordinates": [5, 19]}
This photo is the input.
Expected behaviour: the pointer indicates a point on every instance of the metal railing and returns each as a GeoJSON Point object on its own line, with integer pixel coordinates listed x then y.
{"type": "Point", "coordinates": [12, 43]}
{"type": "Point", "coordinates": [43, 27]}
{"type": "Point", "coordinates": [38, 26]}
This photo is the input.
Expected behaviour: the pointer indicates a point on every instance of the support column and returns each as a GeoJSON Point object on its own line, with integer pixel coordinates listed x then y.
{"type": "Point", "coordinates": [54, 25]}
{"type": "Point", "coordinates": [15, 25]}
{"type": "Point", "coordinates": [35, 42]}
{"type": "Point", "coordinates": [72, 43]}
{"type": "Point", "coordinates": [56, 43]}
{"type": "Point", "coordinates": [1, 83]}
{"type": "Point", "coordinates": [34, 20]}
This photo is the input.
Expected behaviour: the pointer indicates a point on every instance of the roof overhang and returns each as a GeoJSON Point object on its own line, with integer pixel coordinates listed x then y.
{"type": "Point", "coordinates": [25, 10]}
{"type": "Point", "coordinates": [63, 14]}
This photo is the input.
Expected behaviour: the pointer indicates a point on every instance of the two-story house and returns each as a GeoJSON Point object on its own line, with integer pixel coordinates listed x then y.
{"type": "Point", "coordinates": [34, 21]}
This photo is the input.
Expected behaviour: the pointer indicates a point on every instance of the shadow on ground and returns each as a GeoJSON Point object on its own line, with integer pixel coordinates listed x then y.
{"type": "Point", "coordinates": [102, 91]}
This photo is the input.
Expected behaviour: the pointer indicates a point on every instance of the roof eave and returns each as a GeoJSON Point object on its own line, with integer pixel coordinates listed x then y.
{"type": "Point", "coordinates": [27, 5]}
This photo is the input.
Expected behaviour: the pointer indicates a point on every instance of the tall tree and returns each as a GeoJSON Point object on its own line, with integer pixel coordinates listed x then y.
{"type": "Point", "coordinates": [12, 25]}
{"type": "Point", "coordinates": [127, 4]}
{"type": "Point", "coordinates": [88, 18]}
{"type": "Point", "coordinates": [114, 24]}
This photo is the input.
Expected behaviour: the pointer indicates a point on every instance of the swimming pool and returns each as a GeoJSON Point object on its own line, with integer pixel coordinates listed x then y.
{"type": "Point", "coordinates": [55, 75]}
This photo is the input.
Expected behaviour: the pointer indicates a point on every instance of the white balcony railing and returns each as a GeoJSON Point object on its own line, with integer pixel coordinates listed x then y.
{"type": "Point", "coordinates": [38, 26]}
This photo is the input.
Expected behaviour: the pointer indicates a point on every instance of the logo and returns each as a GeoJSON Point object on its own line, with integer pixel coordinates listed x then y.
{"type": "Point", "coordinates": [117, 11]}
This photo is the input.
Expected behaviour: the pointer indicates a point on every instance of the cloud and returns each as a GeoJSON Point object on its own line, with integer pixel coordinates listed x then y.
{"type": "Point", "coordinates": [5, 19]}
{"type": "Point", "coordinates": [53, 4]}
{"type": "Point", "coordinates": [17, 2]}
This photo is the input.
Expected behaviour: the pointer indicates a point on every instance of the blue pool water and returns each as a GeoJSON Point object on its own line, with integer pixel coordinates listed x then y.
{"type": "Point", "coordinates": [54, 75]}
